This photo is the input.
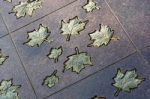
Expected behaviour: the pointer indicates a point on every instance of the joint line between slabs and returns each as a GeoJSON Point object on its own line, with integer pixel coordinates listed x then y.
{"type": "Point", "coordinates": [13, 43]}
{"type": "Point", "coordinates": [94, 73]}
{"type": "Point", "coordinates": [44, 16]}
{"type": "Point", "coordinates": [126, 33]}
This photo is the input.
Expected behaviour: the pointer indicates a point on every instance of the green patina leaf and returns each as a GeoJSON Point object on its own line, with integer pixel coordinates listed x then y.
{"type": "Point", "coordinates": [8, 0]}
{"type": "Point", "coordinates": [90, 6]}
{"type": "Point", "coordinates": [96, 97]}
{"type": "Point", "coordinates": [102, 36]}
{"type": "Point", "coordinates": [55, 53]}
{"type": "Point", "coordinates": [126, 81]}
{"type": "Point", "coordinates": [26, 8]}
{"type": "Point", "coordinates": [77, 61]}
{"type": "Point", "coordinates": [51, 80]}
{"type": "Point", "coordinates": [72, 27]}
{"type": "Point", "coordinates": [8, 90]}
{"type": "Point", "coordinates": [2, 58]}
{"type": "Point", "coordinates": [37, 37]}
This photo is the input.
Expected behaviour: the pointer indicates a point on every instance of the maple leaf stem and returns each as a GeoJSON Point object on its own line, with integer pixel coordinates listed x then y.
{"type": "Point", "coordinates": [29, 1]}
{"type": "Point", "coordinates": [68, 37]}
{"type": "Point", "coordinates": [115, 38]}
{"type": "Point", "coordinates": [56, 60]}
{"type": "Point", "coordinates": [49, 41]}
{"type": "Point", "coordinates": [77, 50]}
{"type": "Point", "coordinates": [117, 92]}
{"type": "Point", "coordinates": [55, 72]}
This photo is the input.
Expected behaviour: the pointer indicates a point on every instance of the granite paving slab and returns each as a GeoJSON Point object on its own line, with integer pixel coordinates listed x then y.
{"type": "Point", "coordinates": [12, 69]}
{"type": "Point", "coordinates": [48, 6]}
{"type": "Point", "coordinates": [3, 30]}
{"type": "Point", "coordinates": [100, 83]}
{"type": "Point", "coordinates": [146, 53]}
{"type": "Point", "coordinates": [135, 18]}
{"type": "Point", "coordinates": [38, 65]}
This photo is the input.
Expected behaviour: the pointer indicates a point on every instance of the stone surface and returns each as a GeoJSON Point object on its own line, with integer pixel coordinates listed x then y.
{"type": "Point", "coordinates": [146, 54]}
{"type": "Point", "coordinates": [12, 69]}
{"type": "Point", "coordinates": [38, 64]}
{"type": "Point", "coordinates": [48, 6]}
{"type": "Point", "coordinates": [3, 30]}
{"type": "Point", "coordinates": [135, 17]}
{"type": "Point", "coordinates": [100, 83]}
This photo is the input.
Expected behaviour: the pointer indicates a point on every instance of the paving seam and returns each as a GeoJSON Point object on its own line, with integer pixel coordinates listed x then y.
{"type": "Point", "coordinates": [44, 16]}
{"type": "Point", "coordinates": [105, 67]}
{"type": "Point", "coordinates": [137, 50]}
{"type": "Point", "coordinates": [4, 36]}
{"type": "Point", "coordinates": [13, 43]}
{"type": "Point", "coordinates": [37, 19]}
{"type": "Point", "coordinates": [145, 47]}
{"type": "Point", "coordinates": [126, 33]}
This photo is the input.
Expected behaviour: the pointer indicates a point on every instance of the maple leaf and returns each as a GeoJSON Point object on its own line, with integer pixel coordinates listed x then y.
{"type": "Point", "coordinates": [37, 37]}
{"type": "Point", "coordinates": [77, 61]}
{"type": "Point", "coordinates": [26, 8]}
{"type": "Point", "coordinates": [55, 53]}
{"type": "Point", "coordinates": [96, 97]}
{"type": "Point", "coordinates": [8, 90]}
{"type": "Point", "coordinates": [90, 6]}
{"type": "Point", "coordinates": [51, 80]}
{"type": "Point", "coordinates": [8, 0]}
{"type": "Point", "coordinates": [101, 37]}
{"type": "Point", "coordinates": [73, 27]}
{"type": "Point", "coordinates": [2, 58]}
{"type": "Point", "coordinates": [126, 81]}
